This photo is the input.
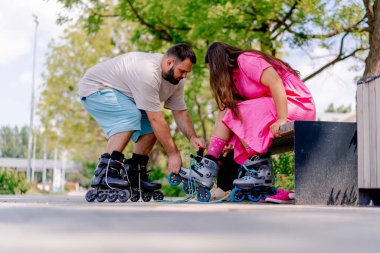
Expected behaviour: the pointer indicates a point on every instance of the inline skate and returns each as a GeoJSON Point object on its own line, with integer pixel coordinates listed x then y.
{"type": "Point", "coordinates": [136, 169]}
{"type": "Point", "coordinates": [108, 182]}
{"type": "Point", "coordinates": [198, 178]}
{"type": "Point", "coordinates": [257, 180]}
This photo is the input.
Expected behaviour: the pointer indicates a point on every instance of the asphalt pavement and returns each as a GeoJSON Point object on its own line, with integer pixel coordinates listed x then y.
{"type": "Point", "coordinates": [63, 223]}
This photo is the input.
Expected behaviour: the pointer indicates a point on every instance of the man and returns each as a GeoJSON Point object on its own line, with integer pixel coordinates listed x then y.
{"type": "Point", "coordinates": [123, 95]}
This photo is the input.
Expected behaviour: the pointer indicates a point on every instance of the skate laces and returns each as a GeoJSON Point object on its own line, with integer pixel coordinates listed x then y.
{"type": "Point", "coordinates": [108, 165]}
{"type": "Point", "coordinates": [194, 162]}
{"type": "Point", "coordinates": [248, 172]}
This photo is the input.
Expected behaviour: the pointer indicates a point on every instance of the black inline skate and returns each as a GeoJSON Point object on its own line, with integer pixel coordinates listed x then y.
{"type": "Point", "coordinates": [108, 182]}
{"type": "Point", "coordinates": [255, 180]}
{"type": "Point", "coordinates": [138, 175]}
{"type": "Point", "coordinates": [198, 178]}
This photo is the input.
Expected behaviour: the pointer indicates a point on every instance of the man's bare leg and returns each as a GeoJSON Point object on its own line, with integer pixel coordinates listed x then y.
{"type": "Point", "coordinates": [118, 142]}
{"type": "Point", "coordinates": [145, 144]}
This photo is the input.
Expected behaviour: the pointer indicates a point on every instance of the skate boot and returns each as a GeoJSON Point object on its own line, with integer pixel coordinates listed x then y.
{"type": "Point", "coordinates": [198, 178]}
{"type": "Point", "coordinates": [255, 181]}
{"type": "Point", "coordinates": [138, 175]}
{"type": "Point", "coordinates": [107, 182]}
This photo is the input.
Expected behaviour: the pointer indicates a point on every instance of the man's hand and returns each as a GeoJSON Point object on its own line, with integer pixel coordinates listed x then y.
{"type": "Point", "coordinates": [275, 127]}
{"type": "Point", "coordinates": [197, 143]}
{"type": "Point", "coordinates": [174, 162]}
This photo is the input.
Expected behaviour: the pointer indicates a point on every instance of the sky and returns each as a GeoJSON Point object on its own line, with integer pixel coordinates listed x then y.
{"type": "Point", "coordinates": [336, 85]}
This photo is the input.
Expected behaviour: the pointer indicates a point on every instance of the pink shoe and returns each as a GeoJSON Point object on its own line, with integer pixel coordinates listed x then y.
{"type": "Point", "coordinates": [282, 197]}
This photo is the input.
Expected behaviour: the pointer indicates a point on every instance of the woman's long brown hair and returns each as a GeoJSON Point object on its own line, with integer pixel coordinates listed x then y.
{"type": "Point", "coordinates": [222, 60]}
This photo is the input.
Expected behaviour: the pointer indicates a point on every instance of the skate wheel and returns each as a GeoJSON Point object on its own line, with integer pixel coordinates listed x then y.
{"type": "Point", "coordinates": [112, 196]}
{"type": "Point", "coordinates": [255, 196]}
{"type": "Point", "coordinates": [124, 195]}
{"type": "Point", "coordinates": [91, 196]}
{"type": "Point", "coordinates": [158, 195]}
{"type": "Point", "coordinates": [102, 196]}
{"type": "Point", "coordinates": [174, 179]}
{"type": "Point", "coordinates": [135, 196]}
{"type": "Point", "coordinates": [188, 187]}
{"type": "Point", "coordinates": [237, 195]}
{"type": "Point", "coordinates": [146, 196]}
{"type": "Point", "coordinates": [203, 195]}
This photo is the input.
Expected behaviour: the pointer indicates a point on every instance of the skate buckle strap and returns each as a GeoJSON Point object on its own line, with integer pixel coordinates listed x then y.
{"type": "Point", "coordinates": [104, 160]}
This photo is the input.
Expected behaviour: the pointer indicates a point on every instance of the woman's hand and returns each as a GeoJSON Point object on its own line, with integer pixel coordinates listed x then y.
{"type": "Point", "coordinates": [275, 127]}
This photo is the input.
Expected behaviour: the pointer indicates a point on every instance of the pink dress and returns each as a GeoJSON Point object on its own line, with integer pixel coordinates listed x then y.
{"type": "Point", "coordinates": [258, 111]}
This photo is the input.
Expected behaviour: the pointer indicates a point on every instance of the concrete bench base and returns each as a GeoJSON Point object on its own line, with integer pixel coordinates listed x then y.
{"type": "Point", "coordinates": [326, 170]}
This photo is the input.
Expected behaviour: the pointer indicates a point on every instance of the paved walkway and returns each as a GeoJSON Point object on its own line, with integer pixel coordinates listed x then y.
{"type": "Point", "coordinates": [70, 224]}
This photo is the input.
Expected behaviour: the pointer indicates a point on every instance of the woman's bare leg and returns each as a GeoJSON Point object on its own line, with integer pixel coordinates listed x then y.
{"type": "Point", "coordinates": [220, 130]}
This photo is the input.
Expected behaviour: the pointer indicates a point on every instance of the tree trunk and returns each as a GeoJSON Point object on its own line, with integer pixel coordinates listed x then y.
{"type": "Point", "coordinates": [372, 63]}
{"type": "Point", "coordinates": [201, 119]}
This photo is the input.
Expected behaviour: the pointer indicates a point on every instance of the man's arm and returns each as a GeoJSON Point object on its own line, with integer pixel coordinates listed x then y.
{"type": "Point", "coordinates": [182, 118]}
{"type": "Point", "coordinates": [162, 133]}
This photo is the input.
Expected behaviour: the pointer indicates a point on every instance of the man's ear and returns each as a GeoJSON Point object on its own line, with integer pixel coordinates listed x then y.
{"type": "Point", "coordinates": [169, 61]}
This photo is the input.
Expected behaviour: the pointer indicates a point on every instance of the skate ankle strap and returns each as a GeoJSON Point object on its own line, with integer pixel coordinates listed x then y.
{"type": "Point", "coordinates": [110, 161]}
{"type": "Point", "coordinates": [104, 160]}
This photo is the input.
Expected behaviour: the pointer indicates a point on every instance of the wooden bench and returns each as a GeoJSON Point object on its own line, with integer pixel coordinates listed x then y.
{"type": "Point", "coordinates": [325, 156]}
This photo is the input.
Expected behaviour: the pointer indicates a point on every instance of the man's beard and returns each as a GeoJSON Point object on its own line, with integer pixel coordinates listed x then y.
{"type": "Point", "coordinates": [169, 76]}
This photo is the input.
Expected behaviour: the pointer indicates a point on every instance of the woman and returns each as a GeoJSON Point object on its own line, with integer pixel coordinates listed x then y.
{"type": "Point", "coordinates": [256, 93]}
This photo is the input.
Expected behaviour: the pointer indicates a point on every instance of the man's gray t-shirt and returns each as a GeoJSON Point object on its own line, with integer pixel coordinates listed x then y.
{"type": "Point", "coordinates": [137, 75]}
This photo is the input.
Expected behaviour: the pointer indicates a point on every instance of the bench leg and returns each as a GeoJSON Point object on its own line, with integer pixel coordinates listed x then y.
{"type": "Point", "coordinates": [325, 163]}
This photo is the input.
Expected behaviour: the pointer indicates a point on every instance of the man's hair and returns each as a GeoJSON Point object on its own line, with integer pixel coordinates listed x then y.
{"type": "Point", "coordinates": [182, 51]}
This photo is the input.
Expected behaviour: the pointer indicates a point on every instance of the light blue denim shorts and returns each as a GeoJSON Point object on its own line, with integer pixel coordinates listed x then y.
{"type": "Point", "coordinates": [115, 113]}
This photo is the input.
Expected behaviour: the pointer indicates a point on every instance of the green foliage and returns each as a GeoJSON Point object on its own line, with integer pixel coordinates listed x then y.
{"type": "Point", "coordinates": [172, 191]}
{"type": "Point", "coordinates": [13, 142]}
{"type": "Point", "coordinates": [13, 182]}
{"type": "Point", "coordinates": [340, 109]}
{"type": "Point", "coordinates": [284, 170]}
{"type": "Point", "coordinates": [88, 169]}
{"type": "Point", "coordinates": [156, 173]}
{"type": "Point", "coordinates": [159, 175]}
{"type": "Point", "coordinates": [265, 24]}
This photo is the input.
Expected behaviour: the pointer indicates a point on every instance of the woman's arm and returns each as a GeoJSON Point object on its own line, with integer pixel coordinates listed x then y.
{"type": "Point", "coordinates": [272, 80]}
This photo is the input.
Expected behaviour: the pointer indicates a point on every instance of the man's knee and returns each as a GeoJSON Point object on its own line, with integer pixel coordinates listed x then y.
{"type": "Point", "coordinates": [149, 138]}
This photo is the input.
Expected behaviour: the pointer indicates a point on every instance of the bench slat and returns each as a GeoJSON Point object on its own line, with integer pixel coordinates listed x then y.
{"type": "Point", "coordinates": [287, 129]}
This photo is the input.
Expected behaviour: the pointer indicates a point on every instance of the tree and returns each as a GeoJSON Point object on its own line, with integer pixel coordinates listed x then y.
{"type": "Point", "coordinates": [340, 109]}
{"type": "Point", "coordinates": [267, 25]}
{"type": "Point", "coordinates": [372, 67]}
{"type": "Point", "coordinates": [14, 142]}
